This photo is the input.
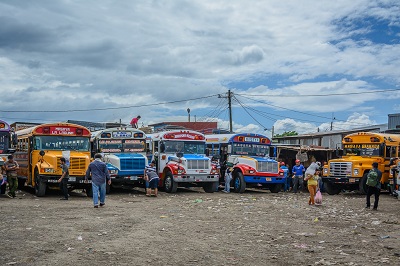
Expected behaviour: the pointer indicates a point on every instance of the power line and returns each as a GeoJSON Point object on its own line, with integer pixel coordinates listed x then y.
{"type": "Point", "coordinates": [249, 113]}
{"type": "Point", "coordinates": [314, 115]}
{"type": "Point", "coordinates": [102, 109]}
{"type": "Point", "coordinates": [319, 95]}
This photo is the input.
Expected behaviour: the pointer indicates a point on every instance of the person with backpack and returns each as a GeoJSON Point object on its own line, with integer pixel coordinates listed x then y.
{"type": "Point", "coordinates": [373, 185]}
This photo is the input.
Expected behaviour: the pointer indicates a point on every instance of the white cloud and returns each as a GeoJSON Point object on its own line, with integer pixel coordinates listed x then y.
{"type": "Point", "coordinates": [82, 55]}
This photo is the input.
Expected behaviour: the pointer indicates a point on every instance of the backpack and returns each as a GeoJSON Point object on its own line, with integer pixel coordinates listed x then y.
{"type": "Point", "coordinates": [372, 178]}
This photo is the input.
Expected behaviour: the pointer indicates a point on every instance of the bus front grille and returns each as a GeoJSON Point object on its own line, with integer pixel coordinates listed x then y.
{"type": "Point", "coordinates": [340, 169]}
{"type": "Point", "coordinates": [74, 163]}
{"type": "Point", "coordinates": [132, 164]}
{"type": "Point", "coordinates": [198, 164]}
{"type": "Point", "coordinates": [270, 167]}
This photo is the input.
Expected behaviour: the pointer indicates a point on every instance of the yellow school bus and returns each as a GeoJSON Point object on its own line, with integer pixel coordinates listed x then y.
{"type": "Point", "coordinates": [360, 150]}
{"type": "Point", "coordinates": [38, 153]}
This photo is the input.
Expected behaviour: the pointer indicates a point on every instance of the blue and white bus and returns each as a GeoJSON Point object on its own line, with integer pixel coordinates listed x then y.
{"type": "Point", "coordinates": [248, 154]}
{"type": "Point", "coordinates": [124, 152]}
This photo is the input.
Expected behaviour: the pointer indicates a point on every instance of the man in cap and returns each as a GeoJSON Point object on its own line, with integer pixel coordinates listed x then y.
{"type": "Point", "coordinates": [298, 171]}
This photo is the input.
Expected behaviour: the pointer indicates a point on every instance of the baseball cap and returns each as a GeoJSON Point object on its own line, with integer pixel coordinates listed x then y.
{"type": "Point", "coordinates": [297, 161]}
{"type": "Point", "coordinates": [282, 163]}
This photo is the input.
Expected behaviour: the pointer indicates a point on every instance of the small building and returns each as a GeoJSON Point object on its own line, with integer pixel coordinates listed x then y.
{"type": "Point", "coordinates": [204, 127]}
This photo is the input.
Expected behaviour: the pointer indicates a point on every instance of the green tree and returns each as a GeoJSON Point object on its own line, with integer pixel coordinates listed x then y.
{"type": "Point", "coordinates": [286, 133]}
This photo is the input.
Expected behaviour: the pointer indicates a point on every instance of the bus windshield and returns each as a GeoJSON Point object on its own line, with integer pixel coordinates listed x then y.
{"type": "Point", "coordinates": [188, 147]}
{"type": "Point", "coordinates": [362, 151]}
{"type": "Point", "coordinates": [250, 149]}
{"type": "Point", "coordinates": [122, 145]}
{"type": "Point", "coordinates": [61, 143]}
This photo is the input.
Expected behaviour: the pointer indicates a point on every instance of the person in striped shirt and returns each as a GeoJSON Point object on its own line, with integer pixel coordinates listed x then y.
{"type": "Point", "coordinates": [151, 177]}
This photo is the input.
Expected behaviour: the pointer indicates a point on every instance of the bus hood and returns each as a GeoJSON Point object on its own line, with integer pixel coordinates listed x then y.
{"type": "Point", "coordinates": [115, 160]}
{"type": "Point", "coordinates": [188, 157]}
{"type": "Point", "coordinates": [357, 159]}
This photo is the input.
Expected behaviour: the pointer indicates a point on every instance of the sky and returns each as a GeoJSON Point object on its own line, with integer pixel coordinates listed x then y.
{"type": "Point", "coordinates": [289, 65]}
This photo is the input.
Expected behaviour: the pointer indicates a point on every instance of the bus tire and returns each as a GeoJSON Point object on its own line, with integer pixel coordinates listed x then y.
{"type": "Point", "coordinates": [275, 188]}
{"type": "Point", "coordinates": [210, 187]}
{"type": "Point", "coordinates": [170, 185]}
{"type": "Point", "coordinates": [21, 183]}
{"type": "Point", "coordinates": [40, 187]}
{"type": "Point", "coordinates": [238, 182]}
{"type": "Point", "coordinates": [362, 186]}
{"type": "Point", "coordinates": [331, 188]}
{"type": "Point", "coordinates": [89, 191]}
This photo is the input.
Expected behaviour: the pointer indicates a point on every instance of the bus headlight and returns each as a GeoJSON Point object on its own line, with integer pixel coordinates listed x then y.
{"type": "Point", "coordinates": [355, 172]}
{"type": "Point", "coordinates": [48, 170]}
{"type": "Point", "coordinates": [325, 171]}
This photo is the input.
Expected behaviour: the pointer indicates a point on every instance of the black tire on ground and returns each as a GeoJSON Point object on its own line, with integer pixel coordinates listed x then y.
{"type": "Point", "coordinates": [210, 187]}
{"type": "Point", "coordinates": [238, 182]}
{"type": "Point", "coordinates": [275, 188]}
{"type": "Point", "coordinates": [362, 186]}
{"type": "Point", "coordinates": [21, 183]}
{"type": "Point", "coordinates": [3, 189]}
{"type": "Point", "coordinates": [331, 188]}
{"type": "Point", "coordinates": [89, 191]}
{"type": "Point", "coordinates": [170, 185]}
{"type": "Point", "coordinates": [40, 187]}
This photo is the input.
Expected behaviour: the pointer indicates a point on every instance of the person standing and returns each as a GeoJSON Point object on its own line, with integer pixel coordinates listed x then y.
{"type": "Point", "coordinates": [288, 178]}
{"type": "Point", "coordinates": [11, 167]}
{"type": "Point", "coordinates": [152, 176]}
{"type": "Point", "coordinates": [376, 190]}
{"type": "Point", "coordinates": [134, 121]}
{"type": "Point", "coordinates": [228, 178]}
{"type": "Point", "coordinates": [99, 172]}
{"type": "Point", "coordinates": [298, 171]}
{"type": "Point", "coordinates": [312, 185]}
{"type": "Point", "coordinates": [64, 179]}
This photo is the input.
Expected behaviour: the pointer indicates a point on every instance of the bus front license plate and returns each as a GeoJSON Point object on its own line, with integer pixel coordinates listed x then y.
{"type": "Point", "coordinates": [268, 179]}
{"type": "Point", "coordinates": [352, 180]}
{"type": "Point", "coordinates": [72, 179]}
{"type": "Point", "coordinates": [134, 178]}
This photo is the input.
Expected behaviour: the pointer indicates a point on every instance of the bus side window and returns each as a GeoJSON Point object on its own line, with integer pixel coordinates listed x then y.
{"type": "Point", "coordinates": [393, 152]}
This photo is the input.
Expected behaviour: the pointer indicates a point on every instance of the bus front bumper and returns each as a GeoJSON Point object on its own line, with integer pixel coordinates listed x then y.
{"type": "Point", "coordinates": [188, 178]}
{"type": "Point", "coordinates": [264, 179]}
{"type": "Point", "coordinates": [129, 179]}
{"type": "Point", "coordinates": [341, 180]}
{"type": "Point", "coordinates": [71, 179]}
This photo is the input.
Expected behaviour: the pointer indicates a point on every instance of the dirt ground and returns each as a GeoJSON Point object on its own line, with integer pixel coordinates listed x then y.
{"type": "Point", "coordinates": [196, 228]}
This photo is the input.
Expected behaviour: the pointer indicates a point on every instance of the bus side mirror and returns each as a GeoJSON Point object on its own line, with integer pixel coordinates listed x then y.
{"type": "Point", "coordinates": [41, 153]}
{"type": "Point", "coordinates": [392, 160]}
{"type": "Point", "coordinates": [179, 154]}
{"type": "Point", "coordinates": [162, 147]}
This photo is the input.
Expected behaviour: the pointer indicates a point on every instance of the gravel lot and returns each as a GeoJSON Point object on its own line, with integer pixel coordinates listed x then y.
{"type": "Point", "coordinates": [196, 228]}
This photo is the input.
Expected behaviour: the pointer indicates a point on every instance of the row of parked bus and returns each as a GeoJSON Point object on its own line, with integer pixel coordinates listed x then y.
{"type": "Point", "coordinates": [183, 158]}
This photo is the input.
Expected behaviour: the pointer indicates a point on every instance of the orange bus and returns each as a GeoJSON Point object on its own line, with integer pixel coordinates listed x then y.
{"type": "Point", "coordinates": [38, 153]}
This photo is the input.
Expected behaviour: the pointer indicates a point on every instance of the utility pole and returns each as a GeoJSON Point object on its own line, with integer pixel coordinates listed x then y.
{"type": "Point", "coordinates": [230, 110]}
{"type": "Point", "coordinates": [333, 118]}
{"type": "Point", "coordinates": [229, 96]}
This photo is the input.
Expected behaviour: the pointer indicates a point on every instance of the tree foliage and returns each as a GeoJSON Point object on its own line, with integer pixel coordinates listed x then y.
{"type": "Point", "coordinates": [286, 133]}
